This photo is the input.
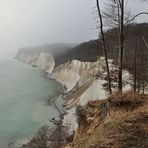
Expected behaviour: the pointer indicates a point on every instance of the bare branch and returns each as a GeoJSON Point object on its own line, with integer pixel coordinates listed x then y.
{"type": "Point", "coordinates": [146, 44]}
{"type": "Point", "coordinates": [132, 19]}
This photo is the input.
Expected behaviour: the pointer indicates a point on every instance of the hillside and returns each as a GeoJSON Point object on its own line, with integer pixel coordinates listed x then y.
{"type": "Point", "coordinates": [119, 121]}
{"type": "Point", "coordinates": [89, 51]}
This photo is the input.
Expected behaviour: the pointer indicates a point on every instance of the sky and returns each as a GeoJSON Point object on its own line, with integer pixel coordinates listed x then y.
{"type": "Point", "coordinates": [36, 22]}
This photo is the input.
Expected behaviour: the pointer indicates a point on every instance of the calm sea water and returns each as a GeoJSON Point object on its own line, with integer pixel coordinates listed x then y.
{"type": "Point", "coordinates": [23, 91]}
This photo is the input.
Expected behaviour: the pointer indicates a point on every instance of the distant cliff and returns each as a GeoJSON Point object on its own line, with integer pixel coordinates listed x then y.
{"type": "Point", "coordinates": [43, 60]}
{"type": "Point", "coordinates": [43, 56]}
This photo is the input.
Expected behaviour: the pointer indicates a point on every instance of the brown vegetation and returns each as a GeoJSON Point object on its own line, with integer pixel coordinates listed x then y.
{"type": "Point", "coordinates": [118, 122]}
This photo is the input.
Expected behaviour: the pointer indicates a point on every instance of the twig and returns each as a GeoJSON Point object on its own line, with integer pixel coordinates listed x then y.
{"type": "Point", "coordinates": [132, 19]}
{"type": "Point", "coordinates": [146, 44]}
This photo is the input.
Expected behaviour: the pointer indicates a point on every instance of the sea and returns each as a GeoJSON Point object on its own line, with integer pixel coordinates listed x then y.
{"type": "Point", "coordinates": [24, 91]}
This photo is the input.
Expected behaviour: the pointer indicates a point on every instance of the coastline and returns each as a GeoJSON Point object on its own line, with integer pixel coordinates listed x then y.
{"type": "Point", "coordinates": [48, 76]}
{"type": "Point", "coordinates": [82, 80]}
{"type": "Point", "coordinates": [26, 102]}
{"type": "Point", "coordinates": [60, 102]}
{"type": "Point", "coordinates": [55, 101]}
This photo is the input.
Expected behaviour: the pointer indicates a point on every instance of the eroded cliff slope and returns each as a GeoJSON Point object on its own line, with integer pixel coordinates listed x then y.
{"type": "Point", "coordinates": [84, 82]}
{"type": "Point", "coordinates": [120, 121]}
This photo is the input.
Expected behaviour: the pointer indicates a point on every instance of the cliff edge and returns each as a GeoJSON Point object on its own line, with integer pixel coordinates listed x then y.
{"type": "Point", "coordinates": [118, 122]}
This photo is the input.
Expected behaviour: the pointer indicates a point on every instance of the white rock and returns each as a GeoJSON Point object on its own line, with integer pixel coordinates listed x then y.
{"type": "Point", "coordinates": [45, 61]}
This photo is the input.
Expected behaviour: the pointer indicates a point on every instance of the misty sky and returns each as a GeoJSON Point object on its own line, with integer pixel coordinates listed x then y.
{"type": "Point", "coordinates": [36, 22]}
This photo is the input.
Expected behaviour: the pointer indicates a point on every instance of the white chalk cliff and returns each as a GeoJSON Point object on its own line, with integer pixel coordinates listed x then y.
{"type": "Point", "coordinates": [85, 81]}
{"type": "Point", "coordinates": [43, 60]}
{"type": "Point", "coordinates": [46, 62]}
{"type": "Point", "coordinates": [89, 76]}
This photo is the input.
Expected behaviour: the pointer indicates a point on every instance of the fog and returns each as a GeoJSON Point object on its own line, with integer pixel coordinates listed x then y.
{"type": "Point", "coordinates": [36, 22]}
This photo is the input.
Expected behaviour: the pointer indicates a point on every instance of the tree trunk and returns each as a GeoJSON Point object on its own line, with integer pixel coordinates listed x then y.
{"type": "Point", "coordinates": [143, 87]}
{"type": "Point", "coordinates": [135, 67]}
{"type": "Point", "coordinates": [104, 46]}
{"type": "Point", "coordinates": [121, 46]}
{"type": "Point", "coordinates": [138, 86]}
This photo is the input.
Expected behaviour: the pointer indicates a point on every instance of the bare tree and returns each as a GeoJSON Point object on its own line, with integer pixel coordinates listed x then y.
{"type": "Point", "coordinates": [104, 45]}
{"type": "Point", "coordinates": [116, 14]}
{"type": "Point", "coordinates": [121, 44]}
{"type": "Point", "coordinates": [141, 65]}
{"type": "Point", "coordinates": [135, 67]}
{"type": "Point", "coordinates": [120, 21]}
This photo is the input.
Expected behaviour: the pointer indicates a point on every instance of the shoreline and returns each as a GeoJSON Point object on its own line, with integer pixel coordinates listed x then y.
{"type": "Point", "coordinates": [57, 102]}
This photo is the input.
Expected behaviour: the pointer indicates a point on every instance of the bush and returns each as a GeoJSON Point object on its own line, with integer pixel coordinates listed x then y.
{"type": "Point", "coordinates": [80, 114]}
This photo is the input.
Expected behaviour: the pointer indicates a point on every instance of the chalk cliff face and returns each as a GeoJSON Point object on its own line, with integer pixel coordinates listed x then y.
{"type": "Point", "coordinates": [89, 76]}
{"type": "Point", "coordinates": [43, 60]}
{"type": "Point", "coordinates": [76, 72]}
{"type": "Point", "coordinates": [85, 81]}
{"type": "Point", "coordinates": [46, 62]}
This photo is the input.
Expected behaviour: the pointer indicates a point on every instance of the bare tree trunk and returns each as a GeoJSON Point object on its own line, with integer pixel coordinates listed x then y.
{"type": "Point", "coordinates": [121, 46]}
{"type": "Point", "coordinates": [143, 87]}
{"type": "Point", "coordinates": [135, 67]}
{"type": "Point", "coordinates": [138, 86]}
{"type": "Point", "coordinates": [104, 46]}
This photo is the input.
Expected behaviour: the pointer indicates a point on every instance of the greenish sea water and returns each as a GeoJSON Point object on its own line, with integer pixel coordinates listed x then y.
{"type": "Point", "coordinates": [23, 93]}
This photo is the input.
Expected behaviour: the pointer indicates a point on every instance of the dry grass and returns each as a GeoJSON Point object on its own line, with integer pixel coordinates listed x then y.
{"type": "Point", "coordinates": [121, 121]}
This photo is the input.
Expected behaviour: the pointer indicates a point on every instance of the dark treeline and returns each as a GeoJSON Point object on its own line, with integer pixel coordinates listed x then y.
{"type": "Point", "coordinates": [89, 51]}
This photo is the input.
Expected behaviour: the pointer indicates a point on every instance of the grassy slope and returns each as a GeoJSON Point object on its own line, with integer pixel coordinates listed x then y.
{"type": "Point", "coordinates": [118, 122]}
